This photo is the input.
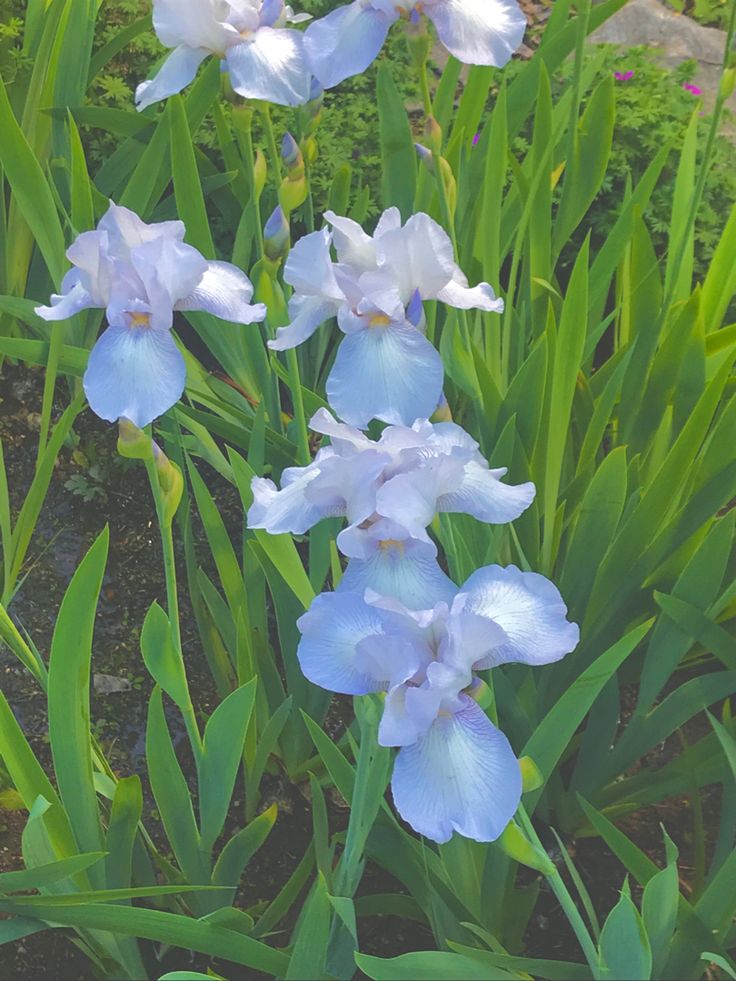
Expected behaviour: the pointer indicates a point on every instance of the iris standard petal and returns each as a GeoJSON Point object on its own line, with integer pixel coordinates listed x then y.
{"type": "Point", "coordinates": [175, 74]}
{"type": "Point", "coordinates": [461, 776]}
{"type": "Point", "coordinates": [353, 245]}
{"type": "Point", "coordinates": [226, 292]}
{"type": "Point", "coordinates": [135, 373]}
{"type": "Point", "coordinates": [418, 256]}
{"type": "Point", "coordinates": [271, 66]}
{"type": "Point", "coordinates": [530, 610]}
{"type": "Point", "coordinates": [169, 271]}
{"type": "Point", "coordinates": [309, 267]}
{"type": "Point", "coordinates": [479, 32]}
{"type": "Point", "coordinates": [483, 495]}
{"type": "Point", "coordinates": [307, 314]}
{"type": "Point", "coordinates": [411, 498]}
{"type": "Point", "coordinates": [195, 23]}
{"type": "Point", "coordinates": [332, 629]}
{"type": "Point", "coordinates": [125, 230]}
{"type": "Point", "coordinates": [390, 373]}
{"type": "Point", "coordinates": [345, 42]}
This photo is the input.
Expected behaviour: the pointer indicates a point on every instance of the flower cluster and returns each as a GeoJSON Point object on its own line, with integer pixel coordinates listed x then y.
{"type": "Point", "coordinates": [396, 622]}
{"type": "Point", "coordinates": [455, 771]}
{"type": "Point", "coordinates": [385, 368]}
{"type": "Point", "coordinates": [267, 58]}
{"type": "Point", "coordinates": [389, 490]}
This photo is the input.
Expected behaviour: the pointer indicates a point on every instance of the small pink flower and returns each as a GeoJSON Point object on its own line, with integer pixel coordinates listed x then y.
{"type": "Point", "coordinates": [692, 88]}
{"type": "Point", "coordinates": [623, 76]}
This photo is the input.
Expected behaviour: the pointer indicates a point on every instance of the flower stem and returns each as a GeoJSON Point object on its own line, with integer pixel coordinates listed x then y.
{"type": "Point", "coordinates": [246, 132]}
{"type": "Point", "coordinates": [172, 600]}
{"type": "Point", "coordinates": [271, 137]}
{"type": "Point", "coordinates": [564, 898]}
{"type": "Point", "coordinates": [295, 382]}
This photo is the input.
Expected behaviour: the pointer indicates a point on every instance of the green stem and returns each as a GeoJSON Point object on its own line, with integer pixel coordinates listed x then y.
{"type": "Point", "coordinates": [246, 133]}
{"type": "Point", "coordinates": [295, 383]}
{"type": "Point", "coordinates": [564, 898]}
{"type": "Point", "coordinates": [272, 145]}
{"type": "Point", "coordinates": [424, 89]}
{"type": "Point", "coordinates": [49, 386]}
{"type": "Point", "coordinates": [309, 203]}
{"type": "Point", "coordinates": [172, 600]}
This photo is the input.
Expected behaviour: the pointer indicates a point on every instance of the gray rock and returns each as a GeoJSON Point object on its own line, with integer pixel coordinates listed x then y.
{"type": "Point", "coordinates": [677, 37]}
{"type": "Point", "coordinates": [108, 684]}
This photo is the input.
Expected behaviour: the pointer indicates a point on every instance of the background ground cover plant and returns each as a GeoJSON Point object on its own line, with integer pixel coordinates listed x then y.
{"type": "Point", "coordinates": [609, 384]}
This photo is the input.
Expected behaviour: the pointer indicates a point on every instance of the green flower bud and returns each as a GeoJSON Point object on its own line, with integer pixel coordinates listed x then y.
{"type": "Point", "coordinates": [133, 443]}
{"type": "Point", "coordinates": [171, 482]}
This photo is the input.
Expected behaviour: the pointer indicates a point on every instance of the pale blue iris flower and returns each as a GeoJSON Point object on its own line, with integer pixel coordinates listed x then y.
{"type": "Point", "coordinates": [385, 367]}
{"type": "Point", "coordinates": [389, 490]}
{"type": "Point", "coordinates": [477, 32]}
{"type": "Point", "coordinates": [140, 274]}
{"type": "Point", "coordinates": [455, 772]}
{"type": "Point", "coordinates": [265, 58]}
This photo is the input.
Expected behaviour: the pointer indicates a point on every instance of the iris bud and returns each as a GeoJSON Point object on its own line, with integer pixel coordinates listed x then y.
{"type": "Point", "coordinates": [291, 154]}
{"type": "Point", "coordinates": [133, 443]}
{"type": "Point", "coordinates": [260, 168]}
{"type": "Point", "coordinates": [277, 235]}
{"type": "Point", "coordinates": [171, 482]}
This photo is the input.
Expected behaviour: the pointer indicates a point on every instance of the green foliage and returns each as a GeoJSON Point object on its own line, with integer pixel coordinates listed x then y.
{"type": "Point", "coordinates": [608, 381]}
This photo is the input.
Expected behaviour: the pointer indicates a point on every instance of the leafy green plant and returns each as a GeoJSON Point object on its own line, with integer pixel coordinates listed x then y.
{"type": "Point", "coordinates": [608, 382]}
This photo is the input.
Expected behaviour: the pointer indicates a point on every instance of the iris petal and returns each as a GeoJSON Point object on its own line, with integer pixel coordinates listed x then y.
{"type": "Point", "coordinates": [390, 373]}
{"type": "Point", "coordinates": [176, 73]}
{"type": "Point", "coordinates": [332, 629]}
{"type": "Point", "coordinates": [461, 776]}
{"type": "Point", "coordinates": [479, 32]}
{"type": "Point", "coordinates": [530, 610]}
{"type": "Point", "coordinates": [345, 42]}
{"type": "Point", "coordinates": [271, 66]}
{"type": "Point", "coordinates": [225, 291]}
{"type": "Point", "coordinates": [135, 373]}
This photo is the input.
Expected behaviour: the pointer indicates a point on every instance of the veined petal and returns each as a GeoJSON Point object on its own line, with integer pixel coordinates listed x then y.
{"type": "Point", "coordinates": [342, 436]}
{"type": "Point", "coordinates": [195, 23]}
{"type": "Point", "coordinates": [411, 498]}
{"type": "Point", "coordinates": [479, 32]}
{"type": "Point", "coordinates": [405, 570]}
{"type": "Point", "coordinates": [175, 74]}
{"type": "Point", "coordinates": [169, 271]}
{"type": "Point", "coordinates": [309, 267]}
{"type": "Point", "coordinates": [290, 510]}
{"type": "Point", "coordinates": [530, 610]}
{"type": "Point", "coordinates": [225, 291]}
{"type": "Point", "coordinates": [461, 776]}
{"type": "Point", "coordinates": [66, 305]}
{"type": "Point", "coordinates": [125, 230]}
{"type": "Point", "coordinates": [332, 629]}
{"type": "Point", "coordinates": [136, 373]}
{"type": "Point", "coordinates": [483, 495]}
{"type": "Point", "coordinates": [418, 256]}
{"type": "Point", "coordinates": [458, 294]}
{"type": "Point", "coordinates": [270, 66]}
{"type": "Point", "coordinates": [389, 373]}
{"type": "Point", "coordinates": [307, 314]}
{"type": "Point", "coordinates": [345, 42]}
{"type": "Point", "coordinates": [353, 246]}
